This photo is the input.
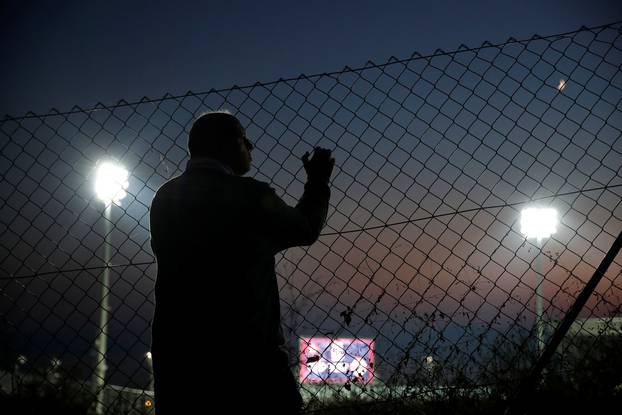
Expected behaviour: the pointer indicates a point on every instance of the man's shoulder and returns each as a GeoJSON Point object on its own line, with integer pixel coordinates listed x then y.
{"type": "Point", "coordinates": [168, 186]}
{"type": "Point", "coordinates": [247, 185]}
{"type": "Point", "coordinates": [256, 184]}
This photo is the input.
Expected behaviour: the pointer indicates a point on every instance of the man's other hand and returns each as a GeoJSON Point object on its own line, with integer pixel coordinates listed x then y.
{"type": "Point", "coordinates": [320, 166]}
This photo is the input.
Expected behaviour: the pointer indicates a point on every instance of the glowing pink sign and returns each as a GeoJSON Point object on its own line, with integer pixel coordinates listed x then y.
{"type": "Point", "coordinates": [336, 360]}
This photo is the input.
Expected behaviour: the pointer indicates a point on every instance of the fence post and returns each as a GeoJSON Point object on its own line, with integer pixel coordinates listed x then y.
{"type": "Point", "coordinates": [519, 404]}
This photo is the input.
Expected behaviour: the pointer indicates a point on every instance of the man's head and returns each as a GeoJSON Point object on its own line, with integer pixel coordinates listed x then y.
{"type": "Point", "coordinates": [219, 135]}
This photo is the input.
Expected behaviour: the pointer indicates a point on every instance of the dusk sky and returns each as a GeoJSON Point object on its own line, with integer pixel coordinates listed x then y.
{"type": "Point", "coordinates": [412, 140]}
{"type": "Point", "coordinates": [60, 54]}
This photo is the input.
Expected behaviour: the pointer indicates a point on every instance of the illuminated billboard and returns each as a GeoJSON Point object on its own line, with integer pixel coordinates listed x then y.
{"type": "Point", "coordinates": [338, 360]}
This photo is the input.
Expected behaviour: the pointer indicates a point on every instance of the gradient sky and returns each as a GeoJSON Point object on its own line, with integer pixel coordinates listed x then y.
{"type": "Point", "coordinates": [69, 53]}
{"type": "Point", "coordinates": [60, 54]}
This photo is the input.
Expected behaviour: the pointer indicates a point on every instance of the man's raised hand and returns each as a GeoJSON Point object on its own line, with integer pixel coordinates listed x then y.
{"type": "Point", "coordinates": [320, 167]}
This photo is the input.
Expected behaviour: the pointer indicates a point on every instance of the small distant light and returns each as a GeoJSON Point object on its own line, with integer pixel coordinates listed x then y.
{"type": "Point", "coordinates": [562, 85]}
{"type": "Point", "coordinates": [148, 403]}
{"type": "Point", "coordinates": [148, 355]}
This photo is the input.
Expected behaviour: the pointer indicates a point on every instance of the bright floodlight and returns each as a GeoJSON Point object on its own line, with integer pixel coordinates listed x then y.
{"type": "Point", "coordinates": [111, 183]}
{"type": "Point", "coordinates": [538, 223]}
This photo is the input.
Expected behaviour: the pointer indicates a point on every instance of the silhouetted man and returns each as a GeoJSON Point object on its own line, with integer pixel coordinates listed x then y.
{"type": "Point", "coordinates": [216, 330]}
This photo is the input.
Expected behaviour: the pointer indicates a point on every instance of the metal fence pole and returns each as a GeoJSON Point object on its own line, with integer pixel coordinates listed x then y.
{"type": "Point", "coordinates": [520, 403]}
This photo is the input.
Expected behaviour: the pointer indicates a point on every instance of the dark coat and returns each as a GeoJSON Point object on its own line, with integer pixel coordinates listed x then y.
{"type": "Point", "coordinates": [214, 236]}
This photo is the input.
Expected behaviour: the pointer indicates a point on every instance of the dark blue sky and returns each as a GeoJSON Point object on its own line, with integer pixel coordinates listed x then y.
{"type": "Point", "coordinates": [57, 54]}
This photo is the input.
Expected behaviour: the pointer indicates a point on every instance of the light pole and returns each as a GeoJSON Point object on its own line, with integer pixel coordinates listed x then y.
{"type": "Point", "coordinates": [148, 356]}
{"type": "Point", "coordinates": [110, 185]}
{"type": "Point", "coordinates": [18, 377]}
{"type": "Point", "coordinates": [538, 223]}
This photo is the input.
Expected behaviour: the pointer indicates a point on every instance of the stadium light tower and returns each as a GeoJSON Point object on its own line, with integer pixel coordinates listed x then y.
{"type": "Point", "coordinates": [538, 223]}
{"type": "Point", "coordinates": [110, 186]}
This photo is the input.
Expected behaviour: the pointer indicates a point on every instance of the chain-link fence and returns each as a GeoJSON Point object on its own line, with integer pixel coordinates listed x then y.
{"type": "Point", "coordinates": [422, 268]}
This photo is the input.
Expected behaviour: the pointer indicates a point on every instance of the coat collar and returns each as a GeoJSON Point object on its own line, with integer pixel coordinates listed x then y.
{"type": "Point", "coordinates": [208, 163]}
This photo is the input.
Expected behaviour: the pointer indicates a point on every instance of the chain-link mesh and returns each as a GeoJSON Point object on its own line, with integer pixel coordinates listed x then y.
{"type": "Point", "coordinates": [422, 252]}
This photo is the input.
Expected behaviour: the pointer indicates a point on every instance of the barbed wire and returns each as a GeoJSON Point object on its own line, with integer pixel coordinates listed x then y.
{"type": "Point", "coordinates": [370, 65]}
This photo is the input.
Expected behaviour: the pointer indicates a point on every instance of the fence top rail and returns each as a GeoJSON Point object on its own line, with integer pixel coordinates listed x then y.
{"type": "Point", "coordinates": [76, 109]}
